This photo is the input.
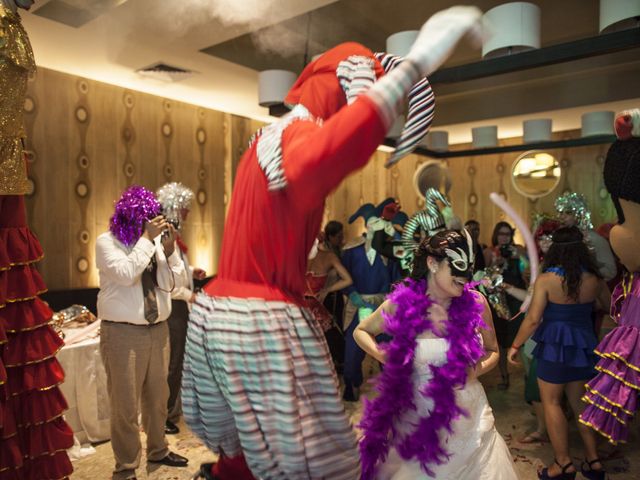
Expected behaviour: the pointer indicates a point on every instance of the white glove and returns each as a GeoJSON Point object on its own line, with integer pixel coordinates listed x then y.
{"type": "Point", "coordinates": [441, 33]}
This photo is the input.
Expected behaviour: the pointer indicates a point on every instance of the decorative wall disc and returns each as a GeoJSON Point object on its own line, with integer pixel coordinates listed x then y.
{"type": "Point", "coordinates": [82, 115]}
{"type": "Point", "coordinates": [31, 187]}
{"type": "Point", "coordinates": [29, 105]}
{"type": "Point", "coordinates": [168, 170]}
{"type": "Point", "coordinates": [129, 169]}
{"type": "Point", "coordinates": [83, 161]}
{"type": "Point", "coordinates": [167, 130]}
{"type": "Point", "coordinates": [129, 100]}
{"type": "Point", "coordinates": [201, 197]}
{"type": "Point", "coordinates": [83, 86]}
{"type": "Point", "coordinates": [84, 236]}
{"type": "Point", "coordinates": [202, 174]}
{"type": "Point", "coordinates": [82, 189]}
{"type": "Point", "coordinates": [201, 136]}
{"type": "Point", "coordinates": [82, 264]}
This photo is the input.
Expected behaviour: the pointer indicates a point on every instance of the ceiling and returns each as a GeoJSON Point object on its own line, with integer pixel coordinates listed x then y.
{"type": "Point", "coordinates": [226, 42]}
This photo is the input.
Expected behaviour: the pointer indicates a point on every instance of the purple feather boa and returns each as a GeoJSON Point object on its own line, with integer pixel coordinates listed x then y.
{"type": "Point", "coordinates": [136, 205]}
{"type": "Point", "coordinates": [395, 385]}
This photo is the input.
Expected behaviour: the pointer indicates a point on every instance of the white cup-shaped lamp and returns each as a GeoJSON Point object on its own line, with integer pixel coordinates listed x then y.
{"type": "Point", "coordinates": [437, 140]}
{"type": "Point", "coordinates": [538, 130]}
{"type": "Point", "coordinates": [618, 15]}
{"type": "Point", "coordinates": [400, 43]}
{"type": "Point", "coordinates": [597, 123]}
{"type": "Point", "coordinates": [273, 86]}
{"type": "Point", "coordinates": [484, 137]}
{"type": "Point", "coordinates": [512, 27]}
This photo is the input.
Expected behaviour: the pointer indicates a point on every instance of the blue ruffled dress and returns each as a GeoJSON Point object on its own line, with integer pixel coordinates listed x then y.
{"type": "Point", "coordinates": [566, 342]}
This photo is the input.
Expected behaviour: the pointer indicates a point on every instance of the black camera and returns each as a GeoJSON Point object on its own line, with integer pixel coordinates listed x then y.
{"type": "Point", "coordinates": [506, 251]}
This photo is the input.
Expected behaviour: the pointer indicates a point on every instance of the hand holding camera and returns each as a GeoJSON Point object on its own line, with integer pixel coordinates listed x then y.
{"type": "Point", "coordinates": [154, 227]}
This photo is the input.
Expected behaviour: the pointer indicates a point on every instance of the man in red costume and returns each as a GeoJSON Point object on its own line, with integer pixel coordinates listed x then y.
{"type": "Point", "coordinates": [33, 435]}
{"type": "Point", "coordinates": [258, 381]}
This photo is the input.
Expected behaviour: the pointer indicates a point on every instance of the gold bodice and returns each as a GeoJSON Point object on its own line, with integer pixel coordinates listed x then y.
{"type": "Point", "coordinates": [16, 62]}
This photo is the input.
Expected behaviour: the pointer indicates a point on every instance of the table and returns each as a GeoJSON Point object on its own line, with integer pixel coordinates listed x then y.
{"type": "Point", "coordinates": [85, 388]}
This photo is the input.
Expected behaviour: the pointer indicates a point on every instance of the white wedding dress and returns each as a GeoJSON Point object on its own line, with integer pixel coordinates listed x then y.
{"type": "Point", "coordinates": [477, 450]}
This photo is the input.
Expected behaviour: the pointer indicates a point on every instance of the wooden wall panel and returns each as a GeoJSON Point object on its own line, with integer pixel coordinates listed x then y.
{"type": "Point", "coordinates": [89, 141]}
{"type": "Point", "coordinates": [480, 175]}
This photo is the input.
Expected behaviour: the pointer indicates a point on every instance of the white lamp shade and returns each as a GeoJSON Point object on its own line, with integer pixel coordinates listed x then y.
{"type": "Point", "coordinates": [396, 128]}
{"type": "Point", "coordinates": [483, 137]}
{"type": "Point", "coordinates": [538, 130]}
{"type": "Point", "coordinates": [618, 14]}
{"type": "Point", "coordinates": [400, 43]}
{"type": "Point", "coordinates": [437, 140]}
{"type": "Point", "coordinates": [597, 123]}
{"type": "Point", "coordinates": [273, 86]}
{"type": "Point", "coordinates": [512, 27]}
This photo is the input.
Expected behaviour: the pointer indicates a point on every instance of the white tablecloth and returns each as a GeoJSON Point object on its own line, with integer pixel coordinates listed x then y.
{"type": "Point", "coordinates": [85, 388]}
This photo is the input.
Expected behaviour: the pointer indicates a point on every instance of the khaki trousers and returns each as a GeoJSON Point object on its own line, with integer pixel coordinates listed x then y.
{"type": "Point", "coordinates": [136, 360]}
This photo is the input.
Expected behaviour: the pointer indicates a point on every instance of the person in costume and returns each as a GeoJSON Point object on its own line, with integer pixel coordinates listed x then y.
{"type": "Point", "coordinates": [559, 318]}
{"type": "Point", "coordinates": [319, 267]}
{"type": "Point", "coordinates": [175, 200]}
{"type": "Point", "coordinates": [372, 276]}
{"type": "Point", "coordinates": [473, 227]}
{"type": "Point", "coordinates": [612, 395]}
{"type": "Point", "coordinates": [572, 209]}
{"type": "Point", "coordinates": [33, 434]}
{"type": "Point", "coordinates": [431, 418]}
{"type": "Point", "coordinates": [511, 261]}
{"type": "Point", "coordinates": [543, 231]}
{"type": "Point", "coordinates": [137, 263]}
{"type": "Point", "coordinates": [258, 387]}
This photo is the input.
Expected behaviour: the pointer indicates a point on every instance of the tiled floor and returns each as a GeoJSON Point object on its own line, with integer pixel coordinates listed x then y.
{"type": "Point", "coordinates": [513, 418]}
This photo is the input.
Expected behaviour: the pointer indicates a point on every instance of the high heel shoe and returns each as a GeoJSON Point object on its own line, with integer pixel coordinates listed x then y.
{"type": "Point", "coordinates": [564, 475]}
{"type": "Point", "coordinates": [591, 473]}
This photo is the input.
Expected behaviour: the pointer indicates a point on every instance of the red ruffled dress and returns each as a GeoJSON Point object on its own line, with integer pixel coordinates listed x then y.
{"type": "Point", "coordinates": [33, 435]}
{"type": "Point", "coordinates": [315, 283]}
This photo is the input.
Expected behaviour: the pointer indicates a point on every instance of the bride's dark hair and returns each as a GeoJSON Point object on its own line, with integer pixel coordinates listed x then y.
{"type": "Point", "coordinates": [433, 246]}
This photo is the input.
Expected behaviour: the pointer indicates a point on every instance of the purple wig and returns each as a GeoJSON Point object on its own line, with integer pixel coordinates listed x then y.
{"type": "Point", "coordinates": [136, 206]}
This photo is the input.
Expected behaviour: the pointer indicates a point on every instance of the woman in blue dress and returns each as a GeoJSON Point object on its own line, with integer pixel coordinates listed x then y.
{"type": "Point", "coordinates": [565, 295]}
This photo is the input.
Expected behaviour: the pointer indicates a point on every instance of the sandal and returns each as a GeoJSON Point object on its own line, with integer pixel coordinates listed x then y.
{"type": "Point", "coordinates": [564, 475]}
{"type": "Point", "coordinates": [591, 473]}
{"type": "Point", "coordinates": [534, 437]}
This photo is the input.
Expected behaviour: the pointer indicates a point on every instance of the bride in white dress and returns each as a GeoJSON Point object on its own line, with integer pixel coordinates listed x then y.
{"type": "Point", "coordinates": [394, 447]}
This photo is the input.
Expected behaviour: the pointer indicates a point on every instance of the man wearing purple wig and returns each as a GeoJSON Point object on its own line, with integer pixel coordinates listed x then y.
{"type": "Point", "coordinates": [138, 264]}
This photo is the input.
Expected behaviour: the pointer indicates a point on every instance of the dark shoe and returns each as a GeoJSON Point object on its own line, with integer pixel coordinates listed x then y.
{"type": "Point", "coordinates": [172, 460]}
{"type": "Point", "coordinates": [171, 428]}
{"type": "Point", "coordinates": [592, 473]}
{"type": "Point", "coordinates": [205, 472]}
{"type": "Point", "coordinates": [351, 394]}
{"type": "Point", "coordinates": [564, 475]}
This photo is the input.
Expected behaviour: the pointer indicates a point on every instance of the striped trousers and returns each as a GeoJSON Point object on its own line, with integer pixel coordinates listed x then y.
{"type": "Point", "coordinates": [258, 379]}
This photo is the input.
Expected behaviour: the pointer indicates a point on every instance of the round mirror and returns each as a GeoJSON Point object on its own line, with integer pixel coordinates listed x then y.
{"type": "Point", "coordinates": [432, 174]}
{"type": "Point", "coordinates": [535, 174]}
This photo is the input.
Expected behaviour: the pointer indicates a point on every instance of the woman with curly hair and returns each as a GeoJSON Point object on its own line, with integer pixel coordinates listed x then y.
{"type": "Point", "coordinates": [560, 320]}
